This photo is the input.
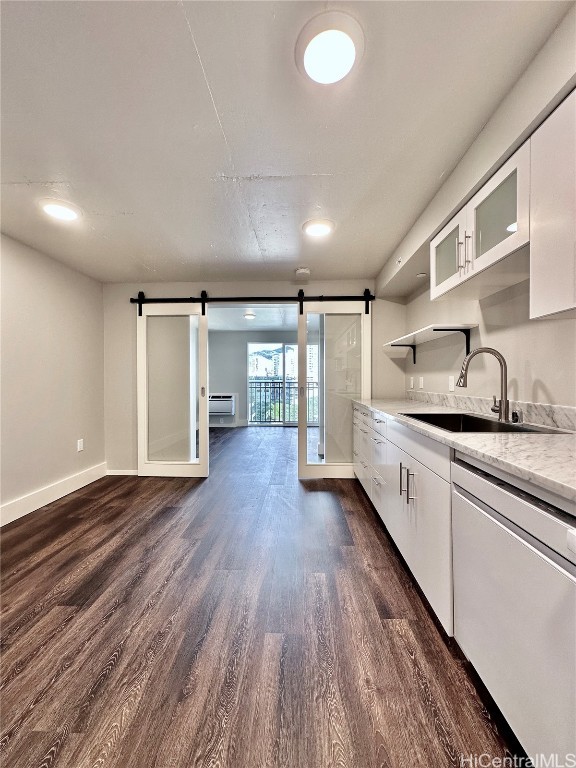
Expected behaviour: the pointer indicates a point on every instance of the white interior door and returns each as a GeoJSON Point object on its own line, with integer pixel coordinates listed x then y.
{"type": "Point", "coordinates": [172, 380]}
{"type": "Point", "coordinates": [334, 369]}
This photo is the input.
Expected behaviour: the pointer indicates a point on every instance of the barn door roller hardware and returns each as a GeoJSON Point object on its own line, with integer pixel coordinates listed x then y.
{"type": "Point", "coordinates": [142, 299]}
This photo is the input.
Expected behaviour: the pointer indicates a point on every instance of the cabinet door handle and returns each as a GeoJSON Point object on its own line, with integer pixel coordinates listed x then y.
{"type": "Point", "coordinates": [408, 476]}
{"type": "Point", "coordinates": [458, 247]}
{"type": "Point", "coordinates": [466, 259]}
{"type": "Point", "coordinates": [401, 468]}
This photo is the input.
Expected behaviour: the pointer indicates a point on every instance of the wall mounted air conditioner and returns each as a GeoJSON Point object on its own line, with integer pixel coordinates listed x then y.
{"type": "Point", "coordinates": [221, 405]}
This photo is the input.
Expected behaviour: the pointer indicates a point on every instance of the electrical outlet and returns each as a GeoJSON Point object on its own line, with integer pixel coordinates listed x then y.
{"type": "Point", "coordinates": [421, 382]}
{"type": "Point", "coordinates": [450, 383]}
{"type": "Point", "coordinates": [80, 445]}
{"type": "Point", "coordinates": [411, 382]}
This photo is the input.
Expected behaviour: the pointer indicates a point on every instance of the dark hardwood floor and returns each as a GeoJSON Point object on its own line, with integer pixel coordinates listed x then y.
{"type": "Point", "coordinates": [244, 621]}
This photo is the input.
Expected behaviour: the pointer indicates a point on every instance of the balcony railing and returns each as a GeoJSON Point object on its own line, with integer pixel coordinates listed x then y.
{"type": "Point", "coordinates": [276, 402]}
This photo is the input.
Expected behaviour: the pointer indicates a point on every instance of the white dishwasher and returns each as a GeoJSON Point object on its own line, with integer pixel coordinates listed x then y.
{"type": "Point", "coordinates": [514, 559]}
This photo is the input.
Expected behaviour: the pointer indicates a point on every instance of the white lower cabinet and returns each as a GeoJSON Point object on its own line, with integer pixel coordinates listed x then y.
{"type": "Point", "coordinates": [418, 519]}
{"type": "Point", "coordinates": [498, 573]}
{"type": "Point", "coordinates": [515, 619]}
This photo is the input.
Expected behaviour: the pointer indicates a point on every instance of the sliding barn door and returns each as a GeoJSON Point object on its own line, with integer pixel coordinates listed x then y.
{"type": "Point", "coordinates": [172, 371]}
{"type": "Point", "coordinates": [334, 368]}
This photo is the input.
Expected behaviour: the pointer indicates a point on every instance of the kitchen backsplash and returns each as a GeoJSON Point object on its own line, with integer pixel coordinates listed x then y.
{"type": "Point", "coordinates": [561, 416]}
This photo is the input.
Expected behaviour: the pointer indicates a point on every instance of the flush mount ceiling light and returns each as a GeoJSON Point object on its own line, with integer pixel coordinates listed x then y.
{"type": "Point", "coordinates": [512, 227]}
{"type": "Point", "coordinates": [249, 315]}
{"type": "Point", "coordinates": [318, 227]}
{"type": "Point", "coordinates": [328, 47]}
{"type": "Point", "coordinates": [58, 209]}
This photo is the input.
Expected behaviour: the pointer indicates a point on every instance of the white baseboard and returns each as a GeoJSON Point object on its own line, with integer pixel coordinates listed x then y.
{"type": "Point", "coordinates": [12, 510]}
{"type": "Point", "coordinates": [122, 472]}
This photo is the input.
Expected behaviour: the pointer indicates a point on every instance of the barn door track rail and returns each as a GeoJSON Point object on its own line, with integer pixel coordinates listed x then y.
{"type": "Point", "coordinates": [204, 299]}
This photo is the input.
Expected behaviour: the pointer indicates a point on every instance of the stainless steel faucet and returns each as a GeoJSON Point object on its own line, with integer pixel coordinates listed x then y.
{"type": "Point", "coordinates": [503, 407]}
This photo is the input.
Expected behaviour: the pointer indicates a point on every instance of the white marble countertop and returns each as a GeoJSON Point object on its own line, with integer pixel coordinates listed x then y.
{"type": "Point", "coordinates": [546, 460]}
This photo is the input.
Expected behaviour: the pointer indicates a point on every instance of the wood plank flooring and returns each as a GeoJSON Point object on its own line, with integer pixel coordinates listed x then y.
{"type": "Point", "coordinates": [244, 621]}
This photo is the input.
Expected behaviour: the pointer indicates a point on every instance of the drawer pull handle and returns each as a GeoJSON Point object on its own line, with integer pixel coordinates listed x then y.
{"type": "Point", "coordinates": [401, 468]}
{"type": "Point", "coordinates": [408, 476]}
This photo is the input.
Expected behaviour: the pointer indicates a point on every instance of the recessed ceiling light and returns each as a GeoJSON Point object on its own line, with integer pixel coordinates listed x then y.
{"type": "Point", "coordinates": [328, 47]}
{"type": "Point", "coordinates": [60, 210]}
{"type": "Point", "coordinates": [318, 227]}
{"type": "Point", "coordinates": [249, 315]}
{"type": "Point", "coordinates": [512, 227]}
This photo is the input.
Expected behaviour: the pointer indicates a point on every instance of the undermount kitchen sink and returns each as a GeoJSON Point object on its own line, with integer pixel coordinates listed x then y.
{"type": "Point", "coordinates": [467, 422]}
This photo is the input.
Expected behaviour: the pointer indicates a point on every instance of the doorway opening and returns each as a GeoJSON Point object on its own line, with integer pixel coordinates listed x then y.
{"type": "Point", "coordinates": [273, 384]}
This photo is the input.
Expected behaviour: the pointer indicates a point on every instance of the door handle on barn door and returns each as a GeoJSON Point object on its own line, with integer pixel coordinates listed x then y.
{"type": "Point", "coordinates": [203, 391]}
{"type": "Point", "coordinates": [301, 391]}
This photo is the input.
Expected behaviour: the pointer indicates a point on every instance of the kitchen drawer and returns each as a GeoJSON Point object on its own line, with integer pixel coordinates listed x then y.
{"type": "Point", "coordinates": [362, 414]}
{"type": "Point", "coordinates": [378, 494]}
{"type": "Point", "coordinates": [379, 423]}
{"type": "Point", "coordinates": [432, 454]}
{"type": "Point", "coordinates": [377, 451]}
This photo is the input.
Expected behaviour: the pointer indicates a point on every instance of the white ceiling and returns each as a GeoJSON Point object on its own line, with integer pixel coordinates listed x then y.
{"type": "Point", "coordinates": [197, 150]}
{"type": "Point", "coordinates": [269, 317]}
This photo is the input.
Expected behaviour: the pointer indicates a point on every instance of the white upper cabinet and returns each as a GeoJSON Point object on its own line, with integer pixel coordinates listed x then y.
{"type": "Point", "coordinates": [494, 224]}
{"type": "Point", "coordinates": [553, 213]}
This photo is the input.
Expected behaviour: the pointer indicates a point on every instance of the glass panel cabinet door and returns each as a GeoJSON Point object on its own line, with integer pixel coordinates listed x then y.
{"type": "Point", "coordinates": [447, 254]}
{"type": "Point", "coordinates": [496, 216]}
{"type": "Point", "coordinates": [447, 264]}
{"type": "Point", "coordinates": [497, 222]}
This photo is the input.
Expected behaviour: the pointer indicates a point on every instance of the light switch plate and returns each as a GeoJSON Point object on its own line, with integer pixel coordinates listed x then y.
{"type": "Point", "coordinates": [80, 445]}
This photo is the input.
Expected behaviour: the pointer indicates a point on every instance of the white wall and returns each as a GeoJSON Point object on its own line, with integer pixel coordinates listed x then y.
{"type": "Point", "coordinates": [228, 363]}
{"type": "Point", "coordinates": [541, 354]}
{"type": "Point", "coordinates": [52, 379]}
{"type": "Point", "coordinates": [120, 347]}
{"type": "Point", "coordinates": [388, 322]}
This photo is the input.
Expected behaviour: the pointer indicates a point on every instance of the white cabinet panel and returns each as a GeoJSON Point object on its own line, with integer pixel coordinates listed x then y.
{"type": "Point", "coordinates": [427, 509]}
{"type": "Point", "coordinates": [553, 213]}
{"type": "Point", "coordinates": [417, 515]}
{"type": "Point", "coordinates": [515, 619]}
